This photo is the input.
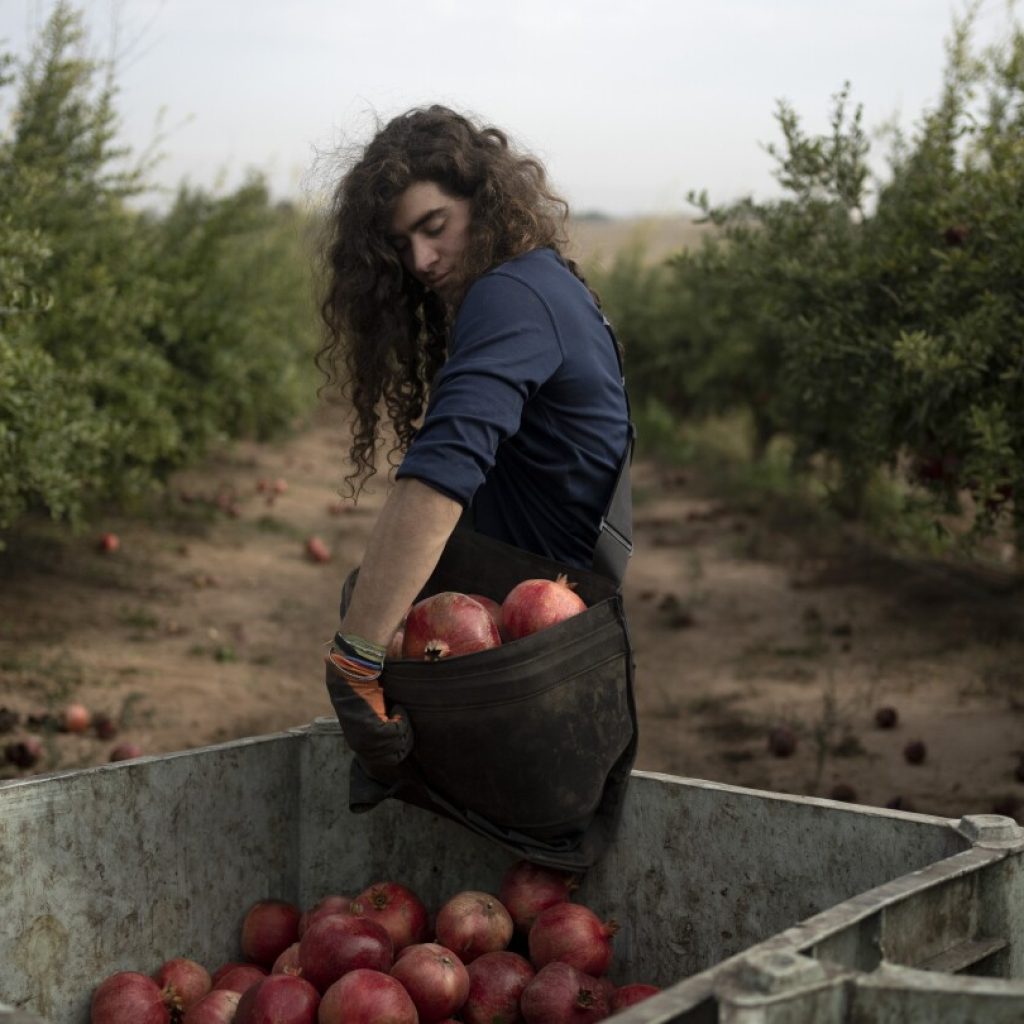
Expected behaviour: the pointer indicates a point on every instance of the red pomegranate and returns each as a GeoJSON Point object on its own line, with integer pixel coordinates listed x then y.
{"type": "Point", "coordinates": [367, 997]}
{"type": "Point", "coordinates": [279, 999]}
{"type": "Point", "coordinates": [288, 961]}
{"type": "Point", "coordinates": [333, 904]}
{"type": "Point", "coordinates": [128, 998]}
{"type": "Point", "coordinates": [496, 982]}
{"type": "Point", "coordinates": [560, 994]}
{"type": "Point", "coordinates": [335, 945]}
{"type": "Point", "coordinates": [527, 889]}
{"type": "Point", "coordinates": [630, 995]}
{"type": "Point", "coordinates": [435, 978]}
{"type": "Point", "coordinates": [572, 934]}
{"type": "Point", "coordinates": [239, 978]}
{"type": "Point", "coordinates": [534, 605]}
{"type": "Point", "coordinates": [184, 982]}
{"type": "Point", "coordinates": [397, 909]}
{"type": "Point", "coordinates": [472, 923]}
{"type": "Point", "coordinates": [447, 625]}
{"type": "Point", "coordinates": [268, 929]}
{"type": "Point", "coordinates": [494, 610]}
{"type": "Point", "coordinates": [216, 1007]}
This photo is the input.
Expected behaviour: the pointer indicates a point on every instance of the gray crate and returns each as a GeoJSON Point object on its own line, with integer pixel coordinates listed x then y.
{"type": "Point", "coordinates": [122, 866]}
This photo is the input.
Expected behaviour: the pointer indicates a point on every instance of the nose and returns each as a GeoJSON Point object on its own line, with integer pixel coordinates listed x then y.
{"type": "Point", "coordinates": [424, 256]}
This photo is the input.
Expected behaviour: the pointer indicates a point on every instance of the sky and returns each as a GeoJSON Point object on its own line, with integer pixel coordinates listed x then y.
{"type": "Point", "coordinates": [630, 104]}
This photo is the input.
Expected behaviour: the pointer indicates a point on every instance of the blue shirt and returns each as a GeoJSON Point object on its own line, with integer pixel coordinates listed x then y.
{"type": "Point", "coordinates": [527, 422]}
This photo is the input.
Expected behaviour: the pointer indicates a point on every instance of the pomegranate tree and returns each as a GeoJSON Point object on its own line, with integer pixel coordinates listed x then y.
{"type": "Point", "coordinates": [397, 909]}
{"type": "Point", "coordinates": [435, 978]}
{"type": "Point", "coordinates": [128, 998]}
{"type": "Point", "coordinates": [472, 923]}
{"type": "Point", "coordinates": [534, 605]}
{"type": "Point", "coordinates": [527, 889]}
{"type": "Point", "coordinates": [364, 996]}
{"type": "Point", "coordinates": [572, 934]}
{"type": "Point", "coordinates": [447, 625]}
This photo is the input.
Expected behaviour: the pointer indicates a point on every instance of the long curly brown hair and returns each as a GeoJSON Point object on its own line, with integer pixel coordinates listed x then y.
{"type": "Point", "coordinates": [385, 335]}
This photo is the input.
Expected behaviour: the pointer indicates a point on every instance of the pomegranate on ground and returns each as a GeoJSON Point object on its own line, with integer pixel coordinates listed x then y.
{"type": "Point", "coordinates": [534, 605]}
{"type": "Point", "coordinates": [397, 909]}
{"type": "Point", "coordinates": [573, 934]}
{"type": "Point", "coordinates": [128, 997]}
{"type": "Point", "coordinates": [435, 978]}
{"type": "Point", "coordinates": [364, 996]}
{"type": "Point", "coordinates": [560, 994]}
{"type": "Point", "coordinates": [496, 983]}
{"type": "Point", "coordinates": [183, 982]}
{"type": "Point", "coordinates": [269, 928]}
{"type": "Point", "coordinates": [527, 889]}
{"type": "Point", "coordinates": [76, 718]}
{"type": "Point", "coordinates": [472, 923]}
{"type": "Point", "coordinates": [448, 625]}
{"type": "Point", "coordinates": [335, 945]}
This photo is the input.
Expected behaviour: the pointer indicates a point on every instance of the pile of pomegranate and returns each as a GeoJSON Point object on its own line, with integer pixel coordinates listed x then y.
{"type": "Point", "coordinates": [449, 624]}
{"type": "Point", "coordinates": [526, 955]}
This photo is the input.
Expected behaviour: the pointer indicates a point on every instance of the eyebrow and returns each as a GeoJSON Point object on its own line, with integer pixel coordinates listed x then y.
{"type": "Point", "coordinates": [422, 220]}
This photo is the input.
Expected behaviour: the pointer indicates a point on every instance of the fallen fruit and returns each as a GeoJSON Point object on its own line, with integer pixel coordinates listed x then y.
{"type": "Point", "coordinates": [108, 543]}
{"type": "Point", "coordinates": [915, 752]}
{"type": "Point", "coordinates": [886, 718]}
{"type": "Point", "coordinates": [25, 753]}
{"type": "Point", "coordinates": [782, 741]}
{"type": "Point", "coordinates": [104, 726]}
{"type": "Point", "coordinates": [317, 550]}
{"type": "Point", "coordinates": [125, 752]}
{"type": "Point", "coordinates": [76, 718]}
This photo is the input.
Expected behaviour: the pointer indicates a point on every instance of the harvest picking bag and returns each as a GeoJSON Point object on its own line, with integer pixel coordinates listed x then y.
{"type": "Point", "coordinates": [530, 743]}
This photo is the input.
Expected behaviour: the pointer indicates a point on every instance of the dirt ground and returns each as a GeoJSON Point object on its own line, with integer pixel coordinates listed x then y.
{"type": "Point", "coordinates": [208, 623]}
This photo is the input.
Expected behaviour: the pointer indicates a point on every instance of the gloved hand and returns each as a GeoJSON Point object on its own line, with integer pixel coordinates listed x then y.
{"type": "Point", "coordinates": [376, 737]}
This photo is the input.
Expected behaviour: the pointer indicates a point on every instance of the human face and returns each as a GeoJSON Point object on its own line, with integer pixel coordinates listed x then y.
{"type": "Point", "coordinates": [430, 231]}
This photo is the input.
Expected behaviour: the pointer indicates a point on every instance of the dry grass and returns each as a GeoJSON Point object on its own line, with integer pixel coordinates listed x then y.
{"type": "Point", "coordinates": [596, 242]}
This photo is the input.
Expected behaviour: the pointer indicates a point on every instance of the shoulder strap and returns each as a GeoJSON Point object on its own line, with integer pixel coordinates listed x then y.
{"type": "Point", "coordinates": [615, 534]}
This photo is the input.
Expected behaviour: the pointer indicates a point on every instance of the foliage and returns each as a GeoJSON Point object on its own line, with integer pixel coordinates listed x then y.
{"type": "Point", "coordinates": [129, 341]}
{"type": "Point", "coordinates": [878, 330]}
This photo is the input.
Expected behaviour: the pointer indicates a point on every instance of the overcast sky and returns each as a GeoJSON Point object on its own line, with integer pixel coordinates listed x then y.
{"type": "Point", "coordinates": [630, 103]}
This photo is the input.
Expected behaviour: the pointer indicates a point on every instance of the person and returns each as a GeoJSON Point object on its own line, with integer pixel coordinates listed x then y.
{"type": "Point", "coordinates": [448, 288]}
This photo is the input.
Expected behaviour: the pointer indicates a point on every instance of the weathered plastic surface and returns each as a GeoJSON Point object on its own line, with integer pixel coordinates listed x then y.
{"type": "Point", "coordinates": [122, 866]}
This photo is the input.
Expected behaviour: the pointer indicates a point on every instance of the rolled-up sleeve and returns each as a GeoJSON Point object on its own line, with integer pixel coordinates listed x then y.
{"type": "Point", "coordinates": [504, 347]}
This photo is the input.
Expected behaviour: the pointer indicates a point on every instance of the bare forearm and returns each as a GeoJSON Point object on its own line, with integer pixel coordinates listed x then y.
{"type": "Point", "coordinates": [406, 543]}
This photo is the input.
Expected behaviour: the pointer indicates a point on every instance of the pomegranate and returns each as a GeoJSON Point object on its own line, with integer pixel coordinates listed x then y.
{"type": "Point", "coordinates": [128, 998]}
{"type": "Point", "coordinates": [108, 543]}
{"type": "Point", "coordinates": [183, 981]}
{"type": "Point", "coordinates": [216, 1007]}
{"type": "Point", "coordinates": [240, 978]}
{"type": "Point", "coordinates": [364, 996]}
{"type": "Point", "coordinates": [560, 994]}
{"type": "Point", "coordinates": [572, 934]}
{"type": "Point", "coordinates": [224, 968]}
{"type": "Point", "coordinates": [76, 718]}
{"type": "Point", "coordinates": [317, 550]}
{"type": "Point", "coordinates": [25, 753]}
{"type": "Point", "coordinates": [534, 605]}
{"type": "Point", "coordinates": [125, 752]}
{"type": "Point", "coordinates": [494, 610]}
{"type": "Point", "coordinates": [334, 904]}
{"type": "Point", "coordinates": [288, 961]}
{"type": "Point", "coordinates": [472, 923]}
{"type": "Point", "coordinates": [447, 625]}
{"type": "Point", "coordinates": [435, 978]}
{"type": "Point", "coordinates": [279, 999]}
{"type": "Point", "coordinates": [104, 726]}
{"type": "Point", "coordinates": [397, 909]}
{"type": "Point", "coordinates": [630, 995]}
{"type": "Point", "coordinates": [527, 889]}
{"type": "Point", "coordinates": [268, 929]}
{"type": "Point", "coordinates": [335, 945]}
{"type": "Point", "coordinates": [496, 982]}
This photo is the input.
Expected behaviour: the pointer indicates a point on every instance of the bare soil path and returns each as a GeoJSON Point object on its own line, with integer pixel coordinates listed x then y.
{"type": "Point", "coordinates": [208, 623]}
